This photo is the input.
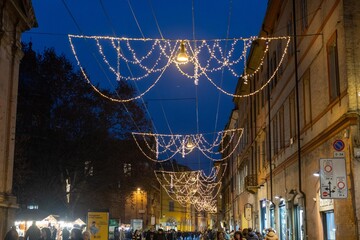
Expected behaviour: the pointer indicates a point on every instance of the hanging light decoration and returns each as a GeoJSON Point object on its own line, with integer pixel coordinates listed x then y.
{"type": "Point", "coordinates": [206, 56]}
{"type": "Point", "coordinates": [182, 56]}
{"type": "Point", "coordinates": [190, 144]}
{"type": "Point", "coordinates": [193, 187]}
{"type": "Point", "coordinates": [168, 145]}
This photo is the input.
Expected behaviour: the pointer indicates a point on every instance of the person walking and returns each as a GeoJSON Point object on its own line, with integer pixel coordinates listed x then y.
{"type": "Point", "coordinates": [271, 235]}
{"type": "Point", "coordinates": [136, 235]}
{"type": "Point", "coordinates": [45, 233]}
{"type": "Point", "coordinates": [76, 234]}
{"type": "Point", "coordinates": [86, 235]}
{"type": "Point", "coordinates": [53, 233]}
{"type": "Point", "coordinates": [65, 234]}
{"type": "Point", "coordinates": [161, 235]}
{"type": "Point", "coordinates": [238, 236]}
{"type": "Point", "coordinates": [251, 235]}
{"type": "Point", "coordinates": [33, 233]}
{"type": "Point", "coordinates": [12, 234]}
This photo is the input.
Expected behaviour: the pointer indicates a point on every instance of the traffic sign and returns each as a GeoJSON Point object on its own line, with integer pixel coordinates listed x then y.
{"type": "Point", "coordinates": [339, 145]}
{"type": "Point", "coordinates": [333, 178]}
{"type": "Point", "coordinates": [339, 154]}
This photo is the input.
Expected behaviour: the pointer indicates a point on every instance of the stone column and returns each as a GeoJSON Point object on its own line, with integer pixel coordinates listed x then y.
{"type": "Point", "coordinates": [16, 16]}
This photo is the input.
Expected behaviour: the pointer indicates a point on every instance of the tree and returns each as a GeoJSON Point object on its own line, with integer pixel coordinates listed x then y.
{"type": "Point", "coordinates": [68, 134]}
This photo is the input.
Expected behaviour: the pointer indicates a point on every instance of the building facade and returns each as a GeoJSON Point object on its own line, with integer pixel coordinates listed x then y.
{"type": "Point", "coordinates": [16, 17]}
{"type": "Point", "coordinates": [310, 106]}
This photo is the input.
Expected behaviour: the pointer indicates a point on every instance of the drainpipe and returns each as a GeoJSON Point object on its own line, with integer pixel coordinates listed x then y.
{"type": "Point", "coordinates": [298, 118]}
{"type": "Point", "coordinates": [269, 120]}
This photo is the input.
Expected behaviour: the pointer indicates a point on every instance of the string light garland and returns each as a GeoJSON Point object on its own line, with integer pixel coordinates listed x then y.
{"type": "Point", "coordinates": [224, 144]}
{"type": "Point", "coordinates": [193, 187]}
{"type": "Point", "coordinates": [206, 56]}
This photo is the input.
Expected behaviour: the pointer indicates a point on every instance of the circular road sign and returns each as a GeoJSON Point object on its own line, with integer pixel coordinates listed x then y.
{"type": "Point", "coordinates": [341, 185]}
{"type": "Point", "coordinates": [328, 168]}
{"type": "Point", "coordinates": [339, 145]}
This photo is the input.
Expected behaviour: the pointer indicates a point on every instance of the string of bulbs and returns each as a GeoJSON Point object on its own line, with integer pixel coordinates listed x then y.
{"type": "Point", "coordinates": [207, 57]}
{"type": "Point", "coordinates": [193, 187]}
{"type": "Point", "coordinates": [172, 144]}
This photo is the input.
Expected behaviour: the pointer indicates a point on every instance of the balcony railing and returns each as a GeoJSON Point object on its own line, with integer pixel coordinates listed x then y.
{"type": "Point", "coordinates": [251, 184]}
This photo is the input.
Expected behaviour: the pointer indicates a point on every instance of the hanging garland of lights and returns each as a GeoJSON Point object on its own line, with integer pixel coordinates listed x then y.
{"type": "Point", "coordinates": [206, 56]}
{"type": "Point", "coordinates": [223, 145]}
{"type": "Point", "coordinates": [193, 187]}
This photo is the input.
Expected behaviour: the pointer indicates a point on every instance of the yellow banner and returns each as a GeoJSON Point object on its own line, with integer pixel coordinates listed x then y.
{"type": "Point", "coordinates": [98, 225]}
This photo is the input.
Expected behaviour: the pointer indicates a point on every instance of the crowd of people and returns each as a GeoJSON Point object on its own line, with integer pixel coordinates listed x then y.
{"type": "Point", "coordinates": [160, 234]}
{"type": "Point", "coordinates": [51, 233]}
{"type": "Point", "coordinates": [48, 233]}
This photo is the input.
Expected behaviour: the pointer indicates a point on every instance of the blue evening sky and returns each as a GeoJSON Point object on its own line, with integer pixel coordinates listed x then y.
{"type": "Point", "coordinates": [172, 102]}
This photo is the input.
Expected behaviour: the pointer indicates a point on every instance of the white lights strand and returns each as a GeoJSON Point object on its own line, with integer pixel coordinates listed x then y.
{"type": "Point", "coordinates": [110, 97]}
{"type": "Point", "coordinates": [207, 57]}
{"type": "Point", "coordinates": [193, 187]}
{"type": "Point", "coordinates": [245, 81]}
{"type": "Point", "coordinates": [172, 144]}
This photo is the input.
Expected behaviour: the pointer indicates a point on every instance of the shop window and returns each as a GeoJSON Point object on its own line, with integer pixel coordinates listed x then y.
{"type": "Point", "coordinates": [283, 225]}
{"type": "Point", "coordinates": [299, 222]}
{"type": "Point", "coordinates": [272, 216]}
{"type": "Point", "coordinates": [329, 225]}
{"type": "Point", "coordinates": [263, 218]}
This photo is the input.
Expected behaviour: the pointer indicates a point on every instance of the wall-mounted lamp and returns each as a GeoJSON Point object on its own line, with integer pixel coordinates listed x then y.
{"type": "Point", "coordinates": [316, 174]}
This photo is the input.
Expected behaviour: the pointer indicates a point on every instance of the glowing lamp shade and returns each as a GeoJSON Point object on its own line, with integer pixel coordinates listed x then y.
{"type": "Point", "coordinates": [190, 143]}
{"type": "Point", "coordinates": [182, 55]}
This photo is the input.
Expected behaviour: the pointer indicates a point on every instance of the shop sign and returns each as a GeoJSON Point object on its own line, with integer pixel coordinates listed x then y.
{"type": "Point", "coordinates": [326, 204]}
{"type": "Point", "coordinates": [98, 225]}
{"type": "Point", "coordinates": [333, 182]}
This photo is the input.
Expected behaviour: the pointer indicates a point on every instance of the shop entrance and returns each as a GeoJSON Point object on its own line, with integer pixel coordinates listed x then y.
{"type": "Point", "coordinates": [329, 227]}
{"type": "Point", "coordinates": [298, 222]}
{"type": "Point", "coordinates": [283, 219]}
{"type": "Point", "coordinates": [263, 218]}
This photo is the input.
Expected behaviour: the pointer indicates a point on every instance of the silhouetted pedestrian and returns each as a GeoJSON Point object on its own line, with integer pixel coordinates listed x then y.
{"type": "Point", "coordinates": [12, 234]}
{"type": "Point", "coordinates": [65, 234]}
{"type": "Point", "coordinates": [33, 233]}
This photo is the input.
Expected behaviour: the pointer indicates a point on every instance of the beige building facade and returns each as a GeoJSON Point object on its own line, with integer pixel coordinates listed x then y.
{"type": "Point", "coordinates": [311, 105]}
{"type": "Point", "coordinates": [16, 17]}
